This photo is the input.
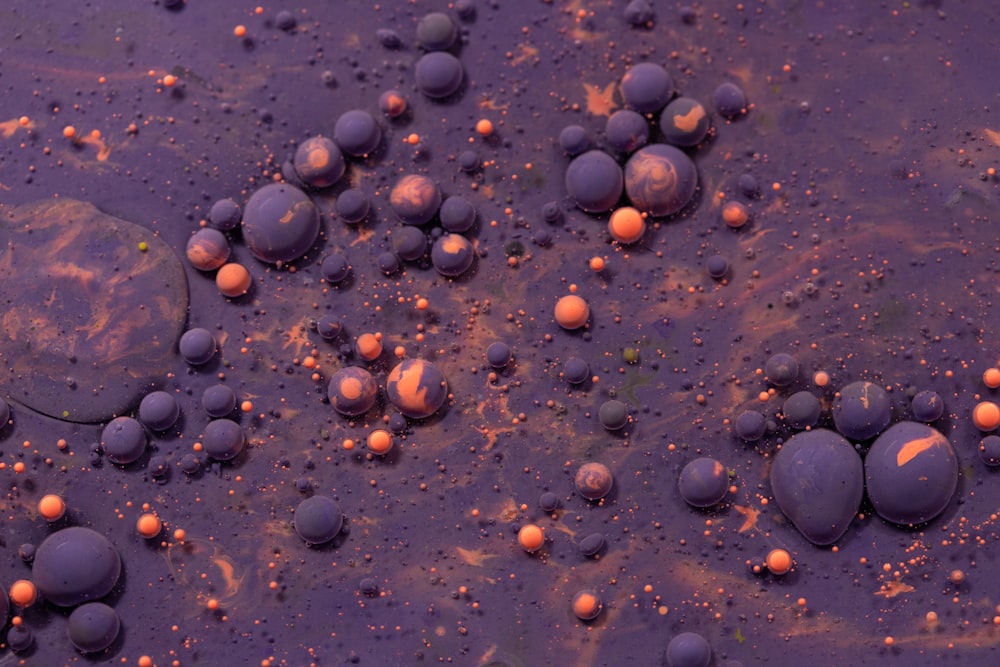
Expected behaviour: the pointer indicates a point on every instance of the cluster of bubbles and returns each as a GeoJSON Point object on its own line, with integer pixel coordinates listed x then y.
{"type": "Point", "coordinates": [820, 474]}
{"type": "Point", "coordinates": [658, 178]}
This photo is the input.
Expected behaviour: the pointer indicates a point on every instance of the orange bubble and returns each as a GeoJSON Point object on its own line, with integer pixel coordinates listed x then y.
{"type": "Point", "coordinates": [368, 347]}
{"type": "Point", "coordinates": [821, 378]}
{"type": "Point", "coordinates": [240, 31]}
{"type": "Point", "coordinates": [148, 525]}
{"type": "Point", "coordinates": [233, 280]}
{"type": "Point", "coordinates": [587, 605]}
{"type": "Point", "coordinates": [23, 593]}
{"type": "Point", "coordinates": [986, 416]}
{"type": "Point", "coordinates": [484, 127]}
{"type": "Point", "coordinates": [991, 377]}
{"type": "Point", "coordinates": [779, 561]}
{"type": "Point", "coordinates": [531, 537]}
{"type": "Point", "coordinates": [69, 132]}
{"type": "Point", "coordinates": [626, 225]}
{"type": "Point", "coordinates": [597, 263]}
{"type": "Point", "coordinates": [169, 80]}
{"type": "Point", "coordinates": [735, 214]}
{"type": "Point", "coordinates": [51, 507]}
{"type": "Point", "coordinates": [572, 311]}
{"type": "Point", "coordinates": [380, 441]}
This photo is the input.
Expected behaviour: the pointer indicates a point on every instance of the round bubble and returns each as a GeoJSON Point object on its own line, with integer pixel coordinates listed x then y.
{"type": "Point", "coordinates": [927, 406]}
{"type": "Point", "coordinates": [802, 410]}
{"type": "Point", "coordinates": [197, 346]}
{"type": "Point", "coordinates": [352, 206]}
{"type": "Point", "coordinates": [781, 369]}
{"type": "Point", "coordinates": [748, 185]}
{"type": "Point", "coordinates": [730, 101]}
{"type": "Point", "coordinates": [417, 388]}
{"type": "Point", "coordinates": [626, 131]}
{"type": "Point", "coordinates": [592, 544]}
{"type": "Point", "coordinates": [415, 198]}
{"type": "Point", "coordinates": [861, 410]}
{"type": "Point", "coordinates": [318, 519]}
{"type": "Point", "coordinates": [911, 472]}
{"type": "Point", "coordinates": [594, 480]}
{"type": "Point", "coordinates": [223, 439]}
{"type": "Point", "coordinates": [452, 255]}
{"type": "Point", "coordinates": [352, 391]}
{"type": "Point", "coordinates": [646, 87]}
{"type": "Point", "coordinates": [436, 31]}
{"type": "Point", "coordinates": [159, 410]}
{"type": "Point", "coordinates": [750, 425]}
{"type": "Point", "coordinates": [639, 13]}
{"type": "Point", "coordinates": [280, 223]}
{"type": "Point", "coordinates": [123, 440]}
{"type": "Point", "coordinates": [989, 450]}
{"type": "Point", "coordinates": [409, 242]}
{"type": "Point", "coordinates": [717, 266]}
{"type": "Point", "coordinates": [207, 249]}
{"type": "Point", "coordinates": [439, 74]}
{"type": "Point", "coordinates": [20, 638]}
{"type": "Point", "coordinates": [388, 262]}
{"type": "Point", "coordinates": [335, 268]}
{"type": "Point", "coordinates": [684, 122]}
{"type": "Point", "coordinates": [548, 501]}
{"type": "Point", "coordinates": [498, 354]}
{"type": "Point", "coordinates": [613, 415]}
{"type": "Point", "coordinates": [319, 162]}
{"type": "Point", "coordinates": [817, 479]}
{"type": "Point", "coordinates": [75, 565]}
{"type": "Point", "coordinates": [689, 649]}
{"type": "Point", "coordinates": [576, 370]}
{"type": "Point", "coordinates": [357, 133]}
{"type": "Point", "coordinates": [660, 179]}
{"type": "Point", "coordinates": [218, 401]}
{"type": "Point", "coordinates": [328, 326]}
{"type": "Point", "coordinates": [703, 482]}
{"type": "Point", "coordinates": [225, 215]}
{"type": "Point", "coordinates": [93, 627]}
{"type": "Point", "coordinates": [574, 140]}
{"type": "Point", "coordinates": [457, 214]}
{"type": "Point", "coordinates": [594, 181]}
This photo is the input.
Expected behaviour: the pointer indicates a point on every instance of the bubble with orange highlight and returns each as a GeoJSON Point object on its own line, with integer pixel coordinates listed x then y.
{"type": "Point", "coordinates": [593, 480]}
{"type": "Point", "coordinates": [417, 388]}
{"type": "Point", "coordinates": [587, 604]}
{"type": "Point", "coordinates": [352, 391]}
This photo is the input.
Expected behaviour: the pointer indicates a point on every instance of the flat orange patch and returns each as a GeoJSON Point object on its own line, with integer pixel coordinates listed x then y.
{"type": "Point", "coordinates": [894, 588]}
{"type": "Point", "coordinates": [474, 557]}
{"type": "Point", "coordinates": [750, 516]}
{"type": "Point", "coordinates": [600, 101]}
{"type": "Point", "coordinates": [689, 121]}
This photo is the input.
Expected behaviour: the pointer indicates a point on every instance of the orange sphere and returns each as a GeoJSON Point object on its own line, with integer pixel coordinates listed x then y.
{"type": "Point", "coordinates": [986, 416]}
{"type": "Point", "coordinates": [531, 537]}
{"type": "Point", "coordinates": [148, 525]}
{"type": "Point", "coordinates": [587, 605]}
{"type": "Point", "coordinates": [484, 127]}
{"type": "Point", "coordinates": [991, 377]}
{"type": "Point", "coordinates": [626, 225]}
{"type": "Point", "coordinates": [735, 214]}
{"type": "Point", "coordinates": [779, 561]}
{"type": "Point", "coordinates": [233, 280]}
{"type": "Point", "coordinates": [572, 311]}
{"type": "Point", "coordinates": [23, 593]}
{"type": "Point", "coordinates": [51, 507]}
{"type": "Point", "coordinates": [368, 346]}
{"type": "Point", "coordinates": [380, 441]}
